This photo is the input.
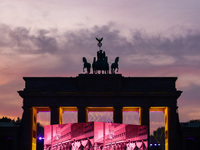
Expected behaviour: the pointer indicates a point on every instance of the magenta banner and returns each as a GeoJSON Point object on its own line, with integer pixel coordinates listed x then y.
{"type": "Point", "coordinates": [95, 136]}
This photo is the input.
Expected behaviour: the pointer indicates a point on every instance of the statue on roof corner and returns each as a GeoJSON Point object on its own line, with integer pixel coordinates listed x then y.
{"type": "Point", "coordinates": [86, 65]}
{"type": "Point", "coordinates": [115, 65]}
{"type": "Point", "coordinates": [101, 63]}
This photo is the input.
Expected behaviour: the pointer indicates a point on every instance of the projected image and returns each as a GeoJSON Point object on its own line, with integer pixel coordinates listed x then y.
{"type": "Point", "coordinates": [95, 136]}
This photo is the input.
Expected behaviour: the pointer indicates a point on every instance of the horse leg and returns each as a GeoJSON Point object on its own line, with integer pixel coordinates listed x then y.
{"type": "Point", "coordinates": [83, 69]}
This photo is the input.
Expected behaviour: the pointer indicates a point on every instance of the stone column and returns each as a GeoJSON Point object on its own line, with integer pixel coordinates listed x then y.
{"type": "Point", "coordinates": [118, 114]}
{"type": "Point", "coordinates": [28, 129]}
{"type": "Point", "coordinates": [144, 116]}
{"type": "Point", "coordinates": [144, 119]}
{"type": "Point", "coordinates": [82, 114]}
{"type": "Point", "coordinates": [56, 115]}
{"type": "Point", "coordinates": [172, 129]}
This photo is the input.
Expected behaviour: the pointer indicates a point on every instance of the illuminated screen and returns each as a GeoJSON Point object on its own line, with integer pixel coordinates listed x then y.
{"type": "Point", "coordinates": [95, 135]}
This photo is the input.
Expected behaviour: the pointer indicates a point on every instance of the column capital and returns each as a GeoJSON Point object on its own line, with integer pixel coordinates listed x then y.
{"type": "Point", "coordinates": [54, 107]}
{"type": "Point", "coordinates": [81, 106]}
{"type": "Point", "coordinates": [145, 106]}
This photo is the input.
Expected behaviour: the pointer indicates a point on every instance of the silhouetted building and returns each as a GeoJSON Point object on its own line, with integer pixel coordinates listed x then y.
{"type": "Point", "coordinates": [9, 135]}
{"type": "Point", "coordinates": [190, 135]}
{"type": "Point", "coordinates": [99, 92]}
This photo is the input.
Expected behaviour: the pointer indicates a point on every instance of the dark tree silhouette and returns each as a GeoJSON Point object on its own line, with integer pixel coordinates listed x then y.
{"type": "Point", "coordinates": [159, 137]}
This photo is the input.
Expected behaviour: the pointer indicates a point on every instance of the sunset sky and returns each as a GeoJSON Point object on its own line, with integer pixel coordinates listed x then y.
{"type": "Point", "coordinates": [48, 38]}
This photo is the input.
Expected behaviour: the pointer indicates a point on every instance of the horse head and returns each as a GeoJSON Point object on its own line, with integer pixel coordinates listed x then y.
{"type": "Point", "coordinates": [116, 59]}
{"type": "Point", "coordinates": [84, 59]}
{"type": "Point", "coordinates": [94, 59]}
{"type": "Point", "coordinates": [106, 59]}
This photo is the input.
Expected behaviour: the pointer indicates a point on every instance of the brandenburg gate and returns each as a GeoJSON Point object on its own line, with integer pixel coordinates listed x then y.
{"type": "Point", "coordinates": [99, 92]}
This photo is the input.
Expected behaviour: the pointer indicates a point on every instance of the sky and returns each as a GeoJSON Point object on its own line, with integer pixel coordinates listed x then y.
{"type": "Point", "coordinates": [48, 38]}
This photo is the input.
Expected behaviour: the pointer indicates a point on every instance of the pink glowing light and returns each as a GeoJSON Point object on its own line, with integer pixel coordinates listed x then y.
{"type": "Point", "coordinates": [95, 134]}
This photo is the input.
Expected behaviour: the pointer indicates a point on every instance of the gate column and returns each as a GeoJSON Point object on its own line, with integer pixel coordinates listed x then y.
{"type": "Point", "coordinates": [173, 142]}
{"type": "Point", "coordinates": [29, 129]}
{"type": "Point", "coordinates": [82, 114]}
{"type": "Point", "coordinates": [118, 114]}
{"type": "Point", "coordinates": [56, 115]}
{"type": "Point", "coordinates": [144, 118]}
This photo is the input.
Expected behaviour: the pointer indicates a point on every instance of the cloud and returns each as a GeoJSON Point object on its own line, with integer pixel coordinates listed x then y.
{"type": "Point", "coordinates": [22, 41]}
{"type": "Point", "coordinates": [51, 41]}
{"type": "Point", "coordinates": [38, 52]}
{"type": "Point", "coordinates": [157, 59]}
{"type": "Point", "coordinates": [189, 112]}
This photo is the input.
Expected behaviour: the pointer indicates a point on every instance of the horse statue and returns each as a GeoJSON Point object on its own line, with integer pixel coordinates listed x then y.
{"type": "Point", "coordinates": [115, 65]}
{"type": "Point", "coordinates": [106, 65]}
{"type": "Point", "coordinates": [86, 65]}
{"type": "Point", "coordinates": [94, 66]}
{"type": "Point", "coordinates": [101, 64]}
